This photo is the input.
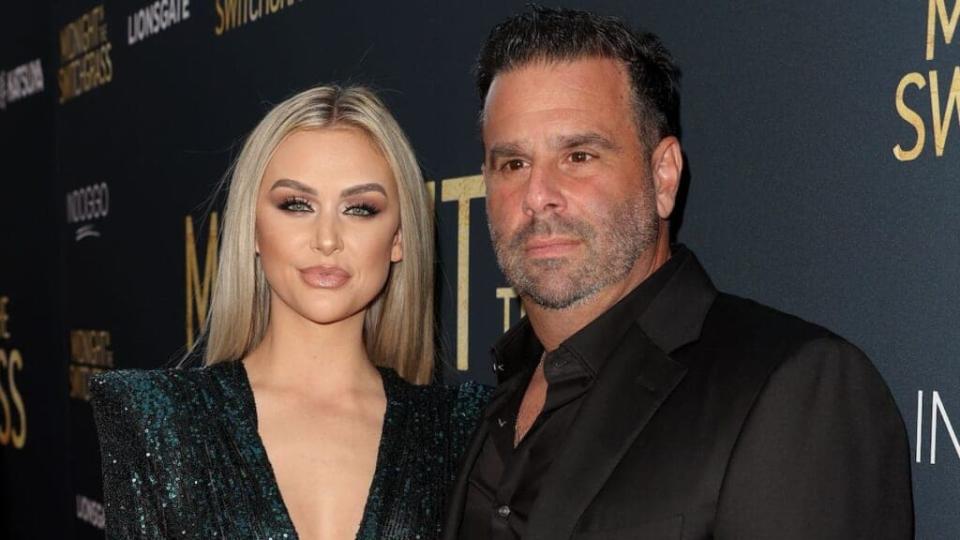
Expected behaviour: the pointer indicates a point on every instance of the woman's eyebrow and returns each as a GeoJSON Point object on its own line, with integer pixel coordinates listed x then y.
{"type": "Point", "coordinates": [362, 188]}
{"type": "Point", "coordinates": [293, 184]}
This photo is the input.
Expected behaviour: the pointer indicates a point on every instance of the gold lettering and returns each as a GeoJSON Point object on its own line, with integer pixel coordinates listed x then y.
{"type": "Point", "coordinates": [78, 387]}
{"type": "Point", "coordinates": [4, 318]}
{"type": "Point", "coordinates": [19, 438]}
{"type": "Point", "coordinates": [85, 55]}
{"type": "Point", "coordinates": [5, 405]}
{"type": "Point", "coordinates": [91, 347]}
{"type": "Point", "coordinates": [462, 190]}
{"type": "Point", "coordinates": [106, 64]}
{"type": "Point", "coordinates": [198, 293]}
{"type": "Point", "coordinates": [507, 294]}
{"type": "Point", "coordinates": [941, 129]}
{"type": "Point", "coordinates": [220, 27]}
{"type": "Point", "coordinates": [910, 117]}
{"type": "Point", "coordinates": [232, 14]}
{"type": "Point", "coordinates": [948, 24]}
{"type": "Point", "coordinates": [233, 9]}
{"type": "Point", "coordinates": [80, 381]}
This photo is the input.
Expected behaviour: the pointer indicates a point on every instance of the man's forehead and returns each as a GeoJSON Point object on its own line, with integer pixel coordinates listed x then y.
{"type": "Point", "coordinates": [543, 76]}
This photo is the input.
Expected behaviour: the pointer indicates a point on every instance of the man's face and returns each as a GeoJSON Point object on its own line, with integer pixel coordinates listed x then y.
{"type": "Point", "coordinates": [570, 201]}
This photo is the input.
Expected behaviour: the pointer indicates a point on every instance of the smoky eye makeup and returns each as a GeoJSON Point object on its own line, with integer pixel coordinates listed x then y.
{"type": "Point", "coordinates": [361, 209]}
{"type": "Point", "coordinates": [294, 203]}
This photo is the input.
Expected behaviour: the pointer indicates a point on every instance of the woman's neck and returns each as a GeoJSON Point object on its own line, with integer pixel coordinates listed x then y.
{"type": "Point", "coordinates": [299, 355]}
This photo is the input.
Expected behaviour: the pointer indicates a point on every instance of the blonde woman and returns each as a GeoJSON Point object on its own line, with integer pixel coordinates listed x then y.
{"type": "Point", "coordinates": [312, 416]}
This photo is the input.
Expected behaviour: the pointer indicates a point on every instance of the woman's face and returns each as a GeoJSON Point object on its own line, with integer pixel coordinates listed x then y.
{"type": "Point", "coordinates": [327, 223]}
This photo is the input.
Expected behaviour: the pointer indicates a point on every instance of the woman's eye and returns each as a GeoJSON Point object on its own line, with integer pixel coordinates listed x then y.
{"type": "Point", "coordinates": [296, 204]}
{"type": "Point", "coordinates": [362, 209]}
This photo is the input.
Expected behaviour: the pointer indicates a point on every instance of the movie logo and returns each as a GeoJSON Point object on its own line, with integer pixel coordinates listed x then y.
{"type": "Point", "coordinates": [90, 353]}
{"type": "Point", "coordinates": [929, 100]}
{"type": "Point", "coordinates": [13, 424]}
{"type": "Point", "coordinates": [85, 62]}
{"type": "Point", "coordinates": [233, 14]}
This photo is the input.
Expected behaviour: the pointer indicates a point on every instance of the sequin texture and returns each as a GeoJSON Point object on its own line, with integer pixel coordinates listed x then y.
{"type": "Point", "coordinates": [182, 458]}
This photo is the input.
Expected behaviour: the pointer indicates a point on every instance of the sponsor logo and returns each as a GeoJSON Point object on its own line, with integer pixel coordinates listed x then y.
{"type": "Point", "coordinates": [85, 206]}
{"type": "Point", "coordinates": [91, 511]}
{"type": "Point", "coordinates": [942, 93]}
{"type": "Point", "coordinates": [232, 14]}
{"type": "Point", "coordinates": [22, 81]}
{"type": "Point", "coordinates": [89, 354]}
{"type": "Point", "coordinates": [13, 424]}
{"type": "Point", "coordinates": [155, 18]}
{"type": "Point", "coordinates": [85, 62]}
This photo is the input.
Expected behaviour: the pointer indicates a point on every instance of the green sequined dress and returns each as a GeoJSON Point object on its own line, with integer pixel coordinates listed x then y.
{"type": "Point", "coordinates": [182, 457]}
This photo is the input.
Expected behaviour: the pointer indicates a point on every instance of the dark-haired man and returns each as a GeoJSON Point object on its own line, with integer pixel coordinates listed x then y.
{"type": "Point", "coordinates": [636, 401]}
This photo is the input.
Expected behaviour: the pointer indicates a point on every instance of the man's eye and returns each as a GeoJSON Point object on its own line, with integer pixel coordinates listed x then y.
{"type": "Point", "coordinates": [580, 157]}
{"type": "Point", "coordinates": [513, 165]}
{"type": "Point", "coordinates": [296, 204]}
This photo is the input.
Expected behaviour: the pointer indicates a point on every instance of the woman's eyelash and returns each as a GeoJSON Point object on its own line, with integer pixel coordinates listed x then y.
{"type": "Point", "coordinates": [296, 204]}
{"type": "Point", "coordinates": [361, 209]}
{"type": "Point", "coordinates": [299, 204]}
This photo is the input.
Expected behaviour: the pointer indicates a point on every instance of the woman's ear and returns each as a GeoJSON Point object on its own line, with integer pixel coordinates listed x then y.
{"type": "Point", "coordinates": [396, 252]}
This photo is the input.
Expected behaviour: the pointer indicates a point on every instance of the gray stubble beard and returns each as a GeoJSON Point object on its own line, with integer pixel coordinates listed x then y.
{"type": "Point", "coordinates": [611, 252]}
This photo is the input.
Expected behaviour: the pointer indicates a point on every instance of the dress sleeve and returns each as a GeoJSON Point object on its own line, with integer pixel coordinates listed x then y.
{"type": "Point", "coordinates": [471, 399]}
{"type": "Point", "coordinates": [131, 504]}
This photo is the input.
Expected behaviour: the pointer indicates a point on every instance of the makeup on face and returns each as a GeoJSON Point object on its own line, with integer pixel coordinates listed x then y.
{"type": "Point", "coordinates": [328, 222]}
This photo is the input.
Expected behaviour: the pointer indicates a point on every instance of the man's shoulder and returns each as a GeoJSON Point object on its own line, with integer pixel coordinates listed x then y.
{"type": "Point", "coordinates": [744, 323]}
{"type": "Point", "coordinates": [745, 336]}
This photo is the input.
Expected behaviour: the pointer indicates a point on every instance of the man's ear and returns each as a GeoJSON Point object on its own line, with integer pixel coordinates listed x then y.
{"type": "Point", "coordinates": [666, 167]}
{"type": "Point", "coordinates": [396, 252]}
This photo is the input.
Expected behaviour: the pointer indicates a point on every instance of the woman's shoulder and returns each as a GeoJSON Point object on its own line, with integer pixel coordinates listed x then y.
{"type": "Point", "coordinates": [463, 402]}
{"type": "Point", "coordinates": [159, 393]}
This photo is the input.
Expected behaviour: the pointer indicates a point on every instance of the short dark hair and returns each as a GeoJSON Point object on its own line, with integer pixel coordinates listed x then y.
{"type": "Point", "coordinates": [545, 34]}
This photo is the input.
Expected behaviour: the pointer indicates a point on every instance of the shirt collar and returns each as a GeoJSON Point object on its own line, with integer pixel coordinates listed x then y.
{"type": "Point", "coordinates": [519, 348]}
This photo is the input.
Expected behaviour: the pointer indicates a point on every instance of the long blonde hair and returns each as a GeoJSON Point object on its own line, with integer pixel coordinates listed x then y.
{"type": "Point", "coordinates": [398, 325]}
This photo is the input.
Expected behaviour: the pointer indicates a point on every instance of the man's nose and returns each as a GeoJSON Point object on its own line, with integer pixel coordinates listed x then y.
{"type": "Point", "coordinates": [543, 193]}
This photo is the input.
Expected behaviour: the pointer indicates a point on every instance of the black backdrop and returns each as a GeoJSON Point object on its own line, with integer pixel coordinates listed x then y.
{"type": "Point", "coordinates": [114, 134]}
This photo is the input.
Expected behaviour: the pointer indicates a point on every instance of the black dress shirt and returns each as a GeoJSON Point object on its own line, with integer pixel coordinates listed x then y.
{"type": "Point", "coordinates": [505, 481]}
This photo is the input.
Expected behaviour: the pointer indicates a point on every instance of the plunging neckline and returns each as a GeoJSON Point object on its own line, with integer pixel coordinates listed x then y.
{"type": "Point", "coordinates": [371, 506]}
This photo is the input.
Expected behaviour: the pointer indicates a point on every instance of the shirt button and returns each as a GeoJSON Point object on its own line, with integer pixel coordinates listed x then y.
{"type": "Point", "coordinates": [503, 511]}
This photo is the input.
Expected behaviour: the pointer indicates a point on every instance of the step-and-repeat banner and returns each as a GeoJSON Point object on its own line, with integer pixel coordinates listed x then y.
{"type": "Point", "coordinates": [822, 141]}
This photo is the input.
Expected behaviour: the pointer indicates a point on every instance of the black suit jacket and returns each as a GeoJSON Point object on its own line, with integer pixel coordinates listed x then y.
{"type": "Point", "coordinates": [717, 417]}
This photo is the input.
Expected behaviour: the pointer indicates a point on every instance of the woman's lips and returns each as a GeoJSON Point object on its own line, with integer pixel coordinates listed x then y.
{"type": "Point", "coordinates": [324, 277]}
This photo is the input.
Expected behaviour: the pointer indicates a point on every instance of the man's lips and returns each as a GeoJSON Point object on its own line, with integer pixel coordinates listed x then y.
{"type": "Point", "coordinates": [550, 247]}
{"type": "Point", "coordinates": [324, 277]}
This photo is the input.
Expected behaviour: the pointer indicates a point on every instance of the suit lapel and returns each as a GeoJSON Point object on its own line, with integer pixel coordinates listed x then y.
{"type": "Point", "coordinates": [629, 389]}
